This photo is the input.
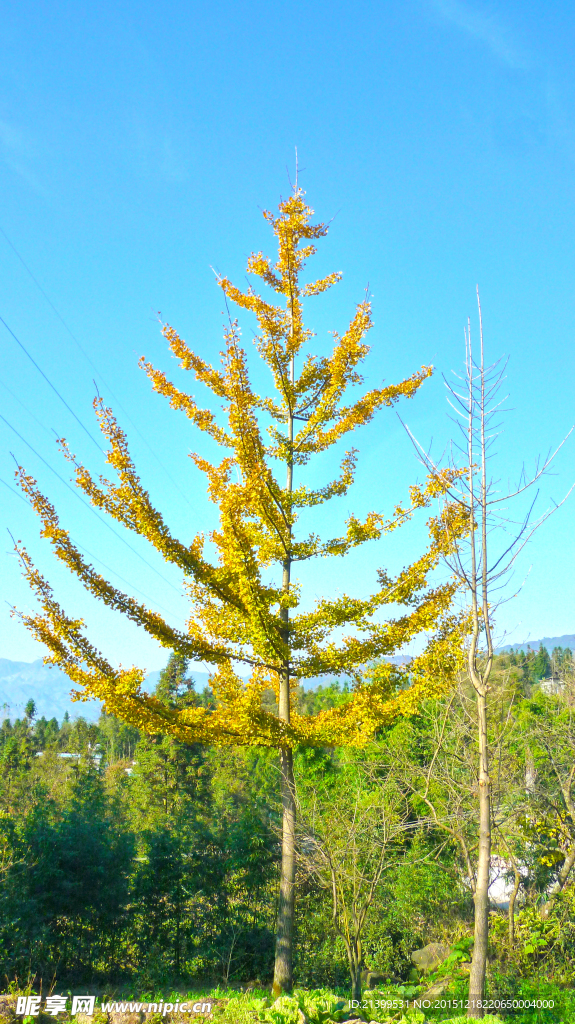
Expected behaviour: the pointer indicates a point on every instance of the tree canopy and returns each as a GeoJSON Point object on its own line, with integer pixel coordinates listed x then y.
{"type": "Point", "coordinates": [243, 614]}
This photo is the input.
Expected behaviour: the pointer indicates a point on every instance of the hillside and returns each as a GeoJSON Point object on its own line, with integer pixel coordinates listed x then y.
{"type": "Point", "coordinates": [568, 640]}
{"type": "Point", "coordinates": [49, 688]}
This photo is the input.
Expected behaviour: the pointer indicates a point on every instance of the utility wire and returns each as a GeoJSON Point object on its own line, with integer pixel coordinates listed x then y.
{"type": "Point", "coordinates": [128, 584]}
{"type": "Point", "coordinates": [96, 559]}
{"type": "Point", "coordinates": [92, 364]}
{"type": "Point", "coordinates": [26, 409]}
{"type": "Point", "coordinates": [14, 491]}
{"type": "Point", "coordinates": [90, 507]}
{"type": "Point", "coordinates": [49, 382]}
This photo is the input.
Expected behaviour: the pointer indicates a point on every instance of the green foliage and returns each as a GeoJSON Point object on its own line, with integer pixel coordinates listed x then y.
{"type": "Point", "coordinates": [487, 1019]}
{"type": "Point", "coordinates": [174, 687]}
{"type": "Point", "coordinates": [323, 697]}
{"type": "Point", "coordinates": [541, 665]}
{"type": "Point", "coordinates": [66, 872]}
{"type": "Point", "coordinates": [30, 710]}
{"type": "Point", "coordinates": [319, 1006]}
{"type": "Point", "coordinates": [164, 872]}
{"type": "Point", "coordinates": [539, 943]}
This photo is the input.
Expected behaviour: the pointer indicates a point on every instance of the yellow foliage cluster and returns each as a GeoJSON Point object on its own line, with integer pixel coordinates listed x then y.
{"type": "Point", "coordinates": [239, 616]}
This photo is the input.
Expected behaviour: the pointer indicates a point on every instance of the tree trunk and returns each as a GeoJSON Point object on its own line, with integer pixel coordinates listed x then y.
{"type": "Point", "coordinates": [511, 911]}
{"type": "Point", "coordinates": [481, 896]}
{"type": "Point", "coordinates": [355, 960]}
{"type": "Point", "coordinates": [283, 969]}
{"type": "Point", "coordinates": [283, 977]}
{"type": "Point", "coordinates": [356, 992]}
{"type": "Point", "coordinates": [358, 966]}
{"type": "Point", "coordinates": [178, 934]}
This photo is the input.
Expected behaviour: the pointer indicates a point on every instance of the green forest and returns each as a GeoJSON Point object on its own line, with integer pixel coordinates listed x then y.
{"type": "Point", "coordinates": [135, 864]}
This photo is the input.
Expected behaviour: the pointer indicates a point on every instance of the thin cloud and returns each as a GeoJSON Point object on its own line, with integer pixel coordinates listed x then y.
{"type": "Point", "coordinates": [173, 163]}
{"type": "Point", "coordinates": [17, 150]}
{"type": "Point", "coordinates": [486, 27]}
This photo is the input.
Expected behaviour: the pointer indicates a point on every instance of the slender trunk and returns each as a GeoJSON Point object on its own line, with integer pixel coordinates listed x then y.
{"type": "Point", "coordinates": [481, 896]}
{"type": "Point", "coordinates": [283, 969]}
{"type": "Point", "coordinates": [480, 672]}
{"type": "Point", "coordinates": [178, 939]}
{"type": "Point", "coordinates": [355, 960]}
{"type": "Point", "coordinates": [358, 967]}
{"type": "Point", "coordinates": [356, 988]}
{"type": "Point", "coordinates": [511, 911]}
{"type": "Point", "coordinates": [283, 978]}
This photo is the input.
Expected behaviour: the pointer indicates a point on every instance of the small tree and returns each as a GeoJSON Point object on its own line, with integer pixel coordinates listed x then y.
{"type": "Point", "coordinates": [482, 566]}
{"type": "Point", "coordinates": [437, 763]}
{"type": "Point", "coordinates": [541, 667]}
{"type": "Point", "coordinates": [30, 710]}
{"type": "Point", "coordinates": [353, 826]}
{"type": "Point", "coordinates": [167, 777]}
{"type": "Point", "coordinates": [244, 605]}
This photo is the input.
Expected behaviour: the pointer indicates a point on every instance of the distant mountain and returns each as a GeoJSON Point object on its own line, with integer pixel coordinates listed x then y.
{"type": "Point", "coordinates": [49, 688]}
{"type": "Point", "coordinates": [547, 641]}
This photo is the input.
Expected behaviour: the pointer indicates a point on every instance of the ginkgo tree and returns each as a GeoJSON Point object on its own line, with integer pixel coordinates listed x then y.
{"type": "Point", "coordinates": [246, 609]}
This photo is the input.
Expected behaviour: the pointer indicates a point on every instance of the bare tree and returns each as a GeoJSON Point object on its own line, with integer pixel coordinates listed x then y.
{"type": "Point", "coordinates": [350, 833]}
{"type": "Point", "coordinates": [482, 559]}
{"type": "Point", "coordinates": [441, 773]}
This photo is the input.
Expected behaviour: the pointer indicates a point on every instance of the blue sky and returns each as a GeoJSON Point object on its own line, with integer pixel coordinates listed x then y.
{"type": "Point", "coordinates": [139, 144]}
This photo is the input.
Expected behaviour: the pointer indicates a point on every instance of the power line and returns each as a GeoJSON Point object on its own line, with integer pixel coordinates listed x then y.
{"type": "Point", "coordinates": [48, 381]}
{"type": "Point", "coordinates": [92, 364]}
{"type": "Point", "coordinates": [14, 491]}
{"type": "Point", "coordinates": [26, 409]}
{"type": "Point", "coordinates": [22, 498]}
{"type": "Point", "coordinates": [128, 584]}
{"type": "Point", "coordinates": [95, 558]}
{"type": "Point", "coordinates": [90, 507]}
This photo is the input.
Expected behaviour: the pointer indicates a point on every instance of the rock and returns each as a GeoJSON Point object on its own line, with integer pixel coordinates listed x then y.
{"type": "Point", "coordinates": [373, 979]}
{"type": "Point", "coordinates": [430, 957]}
